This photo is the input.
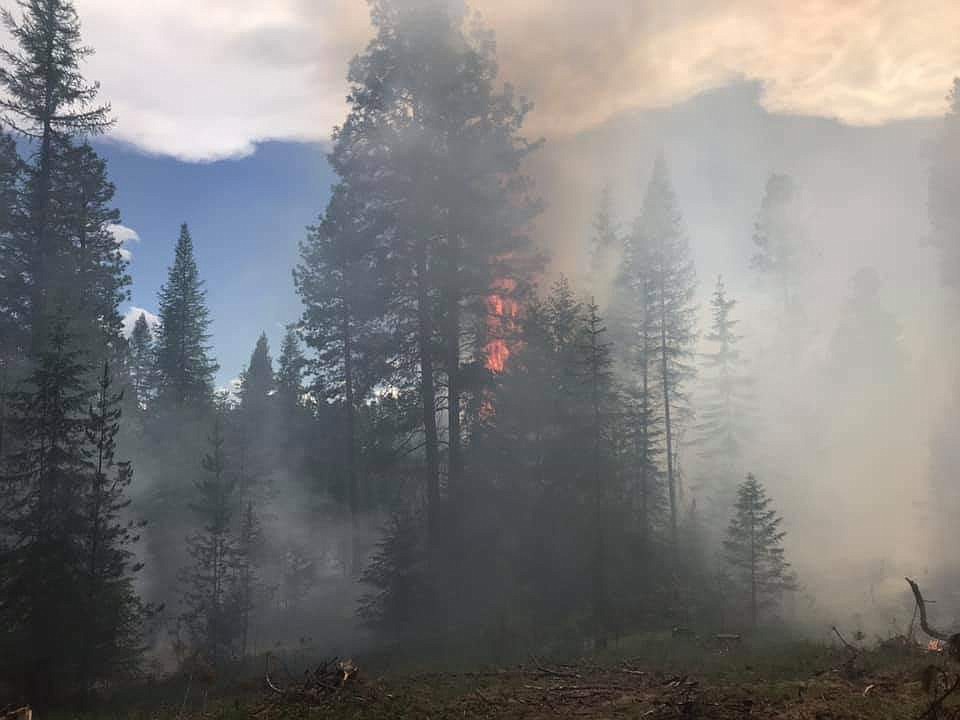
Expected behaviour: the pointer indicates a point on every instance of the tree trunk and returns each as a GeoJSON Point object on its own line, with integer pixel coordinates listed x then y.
{"type": "Point", "coordinates": [668, 425]}
{"type": "Point", "coordinates": [350, 444]}
{"type": "Point", "coordinates": [429, 399]}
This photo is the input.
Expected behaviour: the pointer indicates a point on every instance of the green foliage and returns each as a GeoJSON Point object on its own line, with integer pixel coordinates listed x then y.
{"type": "Point", "coordinates": [184, 365]}
{"type": "Point", "coordinates": [754, 551]}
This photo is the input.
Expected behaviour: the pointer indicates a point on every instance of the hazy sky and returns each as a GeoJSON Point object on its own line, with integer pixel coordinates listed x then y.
{"type": "Point", "coordinates": [197, 87]}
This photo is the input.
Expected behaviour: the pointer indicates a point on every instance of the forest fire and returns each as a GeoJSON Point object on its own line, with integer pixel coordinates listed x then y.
{"type": "Point", "coordinates": [502, 314]}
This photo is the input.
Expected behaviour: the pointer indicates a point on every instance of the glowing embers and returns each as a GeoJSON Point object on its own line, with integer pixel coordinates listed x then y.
{"type": "Point", "coordinates": [503, 312]}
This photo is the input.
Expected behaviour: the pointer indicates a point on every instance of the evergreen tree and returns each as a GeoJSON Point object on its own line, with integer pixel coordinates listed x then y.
{"type": "Point", "coordinates": [209, 583]}
{"type": "Point", "coordinates": [249, 546]}
{"type": "Point", "coordinates": [433, 148]}
{"type": "Point", "coordinates": [635, 322]}
{"type": "Point", "coordinates": [724, 412]}
{"type": "Point", "coordinates": [43, 489]}
{"type": "Point", "coordinates": [48, 102]}
{"type": "Point", "coordinates": [597, 381]}
{"type": "Point", "coordinates": [14, 279]}
{"type": "Point", "coordinates": [673, 284]}
{"type": "Point", "coordinates": [603, 247]}
{"type": "Point", "coordinates": [780, 245]}
{"type": "Point", "coordinates": [184, 365]}
{"type": "Point", "coordinates": [290, 368]}
{"type": "Point", "coordinates": [93, 264]}
{"type": "Point", "coordinates": [113, 614]}
{"type": "Point", "coordinates": [252, 437]}
{"type": "Point", "coordinates": [142, 362]}
{"type": "Point", "coordinates": [342, 322]}
{"type": "Point", "coordinates": [754, 549]}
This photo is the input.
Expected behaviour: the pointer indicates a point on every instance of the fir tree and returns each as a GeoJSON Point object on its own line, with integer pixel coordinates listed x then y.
{"type": "Point", "coordinates": [113, 614]}
{"type": "Point", "coordinates": [724, 411]}
{"type": "Point", "coordinates": [43, 489]}
{"type": "Point", "coordinates": [252, 426]}
{"type": "Point", "coordinates": [754, 549]}
{"type": "Point", "coordinates": [603, 247]}
{"type": "Point", "coordinates": [673, 283]}
{"type": "Point", "coordinates": [47, 101]}
{"type": "Point", "coordinates": [209, 583]}
{"type": "Point", "coordinates": [142, 362]}
{"type": "Point", "coordinates": [184, 365]}
{"type": "Point", "coordinates": [290, 369]}
{"type": "Point", "coordinates": [249, 547]}
{"type": "Point", "coordinates": [597, 381]}
{"type": "Point", "coordinates": [635, 322]}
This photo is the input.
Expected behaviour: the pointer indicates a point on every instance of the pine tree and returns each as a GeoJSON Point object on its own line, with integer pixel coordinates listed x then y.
{"type": "Point", "coordinates": [143, 362]}
{"type": "Point", "coordinates": [184, 365]}
{"type": "Point", "coordinates": [209, 583]}
{"type": "Point", "coordinates": [113, 613]}
{"type": "Point", "coordinates": [48, 102]}
{"type": "Point", "coordinates": [597, 381]}
{"type": "Point", "coordinates": [433, 147]}
{"type": "Point", "coordinates": [14, 279]}
{"type": "Point", "coordinates": [603, 246]}
{"type": "Point", "coordinates": [780, 245]}
{"type": "Point", "coordinates": [344, 305]}
{"type": "Point", "coordinates": [290, 368]}
{"type": "Point", "coordinates": [673, 283]}
{"type": "Point", "coordinates": [635, 322]}
{"type": "Point", "coordinates": [252, 426]}
{"type": "Point", "coordinates": [754, 549]}
{"type": "Point", "coordinates": [43, 482]}
{"type": "Point", "coordinates": [249, 547]}
{"type": "Point", "coordinates": [93, 270]}
{"type": "Point", "coordinates": [724, 412]}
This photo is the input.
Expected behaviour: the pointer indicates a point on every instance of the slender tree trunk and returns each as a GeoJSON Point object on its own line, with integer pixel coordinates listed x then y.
{"type": "Point", "coordinates": [599, 484]}
{"type": "Point", "coordinates": [353, 494]}
{"type": "Point", "coordinates": [668, 426]}
{"type": "Point", "coordinates": [455, 457]}
{"type": "Point", "coordinates": [428, 397]}
{"type": "Point", "coordinates": [753, 565]}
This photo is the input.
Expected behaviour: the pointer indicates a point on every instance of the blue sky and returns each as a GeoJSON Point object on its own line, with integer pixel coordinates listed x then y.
{"type": "Point", "coordinates": [246, 216]}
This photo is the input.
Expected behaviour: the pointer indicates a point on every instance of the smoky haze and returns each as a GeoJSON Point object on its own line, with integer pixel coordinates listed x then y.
{"type": "Point", "coordinates": [620, 321]}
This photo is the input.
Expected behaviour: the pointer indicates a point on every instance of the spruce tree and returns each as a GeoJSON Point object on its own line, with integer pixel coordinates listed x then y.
{"type": "Point", "coordinates": [254, 417]}
{"type": "Point", "coordinates": [724, 412]}
{"type": "Point", "coordinates": [113, 614]}
{"type": "Point", "coordinates": [603, 246]}
{"type": "Point", "coordinates": [143, 362]}
{"type": "Point", "coordinates": [597, 379]}
{"type": "Point", "coordinates": [344, 304]}
{"type": "Point", "coordinates": [249, 550]}
{"type": "Point", "coordinates": [209, 584]}
{"type": "Point", "coordinates": [43, 491]}
{"type": "Point", "coordinates": [634, 319]}
{"type": "Point", "coordinates": [754, 551]}
{"type": "Point", "coordinates": [48, 102]}
{"type": "Point", "coordinates": [184, 366]}
{"type": "Point", "coordinates": [673, 284]}
{"type": "Point", "coordinates": [14, 280]}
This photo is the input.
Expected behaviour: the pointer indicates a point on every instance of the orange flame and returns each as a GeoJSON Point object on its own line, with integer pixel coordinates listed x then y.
{"type": "Point", "coordinates": [502, 314]}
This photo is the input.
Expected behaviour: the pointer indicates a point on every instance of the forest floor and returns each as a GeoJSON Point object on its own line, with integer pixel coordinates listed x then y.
{"type": "Point", "coordinates": [789, 682]}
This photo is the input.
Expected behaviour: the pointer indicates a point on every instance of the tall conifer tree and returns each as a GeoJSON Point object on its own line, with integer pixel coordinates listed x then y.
{"type": "Point", "coordinates": [184, 366]}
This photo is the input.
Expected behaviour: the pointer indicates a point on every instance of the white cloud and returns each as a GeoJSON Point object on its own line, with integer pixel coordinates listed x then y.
{"type": "Point", "coordinates": [123, 237]}
{"type": "Point", "coordinates": [130, 319]}
{"type": "Point", "coordinates": [207, 80]}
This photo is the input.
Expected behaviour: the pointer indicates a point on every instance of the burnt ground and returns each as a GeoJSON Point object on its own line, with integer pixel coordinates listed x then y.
{"type": "Point", "coordinates": [809, 682]}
